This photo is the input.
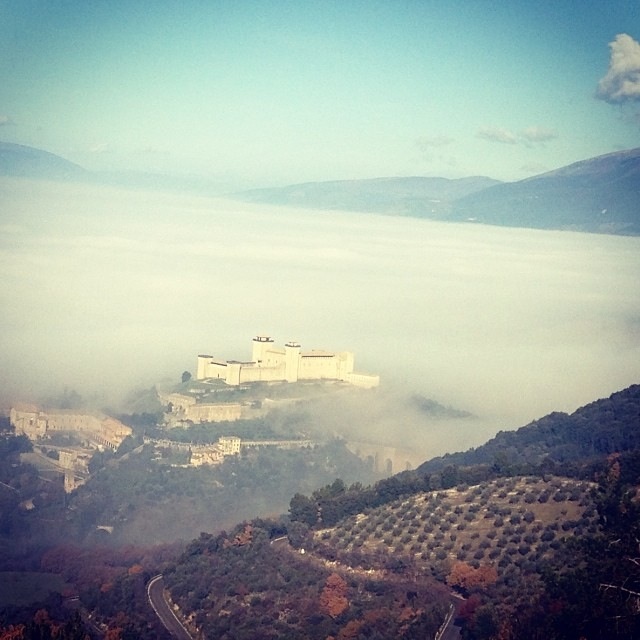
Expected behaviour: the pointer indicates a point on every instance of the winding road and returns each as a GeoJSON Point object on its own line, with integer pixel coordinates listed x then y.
{"type": "Point", "coordinates": [157, 600]}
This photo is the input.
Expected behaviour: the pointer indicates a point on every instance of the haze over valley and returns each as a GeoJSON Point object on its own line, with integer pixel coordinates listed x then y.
{"type": "Point", "coordinates": [106, 290]}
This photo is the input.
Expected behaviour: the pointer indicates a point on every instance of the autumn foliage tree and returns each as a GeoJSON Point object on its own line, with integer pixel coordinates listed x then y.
{"type": "Point", "coordinates": [466, 577]}
{"type": "Point", "coordinates": [333, 599]}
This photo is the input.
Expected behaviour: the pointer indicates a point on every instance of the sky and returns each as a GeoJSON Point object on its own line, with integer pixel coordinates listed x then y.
{"type": "Point", "coordinates": [257, 94]}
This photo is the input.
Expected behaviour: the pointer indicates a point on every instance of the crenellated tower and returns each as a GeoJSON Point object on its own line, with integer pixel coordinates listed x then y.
{"type": "Point", "coordinates": [261, 344]}
{"type": "Point", "coordinates": [291, 361]}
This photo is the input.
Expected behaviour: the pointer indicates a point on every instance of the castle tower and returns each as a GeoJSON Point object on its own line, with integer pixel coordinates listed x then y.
{"type": "Point", "coordinates": [260, 346]}
{"type": "Point", "coordinates": [291, 361]}
{"type": "Point", "coordinates": [201, 372]}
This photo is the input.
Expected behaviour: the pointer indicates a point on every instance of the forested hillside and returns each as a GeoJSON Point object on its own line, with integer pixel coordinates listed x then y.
{"type": "Point", "coordinates": [534, 535]}
{"type": "Point", "coordinates": [602, 427]}
{"type": "Point", "coordinates": [527, 552]}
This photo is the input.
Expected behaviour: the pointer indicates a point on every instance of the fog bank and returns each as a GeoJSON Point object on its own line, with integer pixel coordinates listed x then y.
{"type": "Point", "coordinates": [105, 289]}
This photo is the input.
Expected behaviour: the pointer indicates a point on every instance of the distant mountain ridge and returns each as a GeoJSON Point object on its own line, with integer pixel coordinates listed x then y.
{"type": "Point", "coordinates": [600, 194]}
{"type": "Point", "coordinates": [415, 196]}
{"type": "Point", "coordinates": [28, 162]}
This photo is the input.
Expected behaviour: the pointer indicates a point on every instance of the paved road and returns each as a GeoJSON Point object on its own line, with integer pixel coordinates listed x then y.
{"type": "Point", "coordinates": [155, 594]}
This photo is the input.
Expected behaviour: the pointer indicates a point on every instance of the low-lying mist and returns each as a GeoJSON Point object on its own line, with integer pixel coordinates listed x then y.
{"type": "Point", "coordinates": [104, 290]}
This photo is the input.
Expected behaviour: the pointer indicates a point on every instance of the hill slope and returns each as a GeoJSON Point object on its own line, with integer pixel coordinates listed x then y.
{"type": "Point", "coordinates": [412, 196]}
{"type": "Point", "coordinates": [27, 162]}
{"type": "Point", "coordinates": [600, 428]}
{"type": "Point", "coordinates": [601, 194]}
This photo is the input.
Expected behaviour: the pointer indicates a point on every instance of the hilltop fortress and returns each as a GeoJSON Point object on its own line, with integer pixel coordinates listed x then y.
{"type": "Point", "coordinates": [284, 364]}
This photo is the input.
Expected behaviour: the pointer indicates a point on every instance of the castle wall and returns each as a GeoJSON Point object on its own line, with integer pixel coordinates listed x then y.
{"type": "Point", "coordinates": [213, 412]}
{"type": "Point", "coordinates": [363, 380]}
{"type": "Point", "coordinates": [210, 368]}
{"type": "Point", "coordinates": [97, 429]}
{"type": "Point", "coordinates": [27, 421]}
{"type": "Point", "coordinates": [273, 364]}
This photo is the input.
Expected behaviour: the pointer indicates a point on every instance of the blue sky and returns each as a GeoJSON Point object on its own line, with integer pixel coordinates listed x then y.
{"type": "Point", "coordinates": [271, 93]}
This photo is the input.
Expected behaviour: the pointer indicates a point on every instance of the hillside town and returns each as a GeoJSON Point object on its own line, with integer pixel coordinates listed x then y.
{"type": "Point", "coordinates": [223, 391]}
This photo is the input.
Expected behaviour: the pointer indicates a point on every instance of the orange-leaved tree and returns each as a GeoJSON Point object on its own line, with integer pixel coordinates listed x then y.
{"type": "Point", "coordinates": [333, 599]}
{"type": "Point", "coordinates": [466, 577]}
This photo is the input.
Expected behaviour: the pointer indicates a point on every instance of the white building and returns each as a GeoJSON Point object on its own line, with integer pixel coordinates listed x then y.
{"type": "Point", "coordinates": [284, 364]}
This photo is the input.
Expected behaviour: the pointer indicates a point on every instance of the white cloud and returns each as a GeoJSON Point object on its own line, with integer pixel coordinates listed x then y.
{"type": "Point", "coordinates": [498, 134]}
{"type": "Point", "coordinates": [428, 142]}
{"type": "Point", "coordinates": [622, 80]}
{"type": "Point", "coordinates": [100, 147]}
{"type": "Point", "coordinates": [538, 134]}
{"type": "Point", "coordinates": [530, 135]}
